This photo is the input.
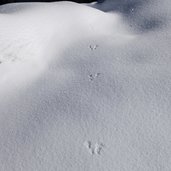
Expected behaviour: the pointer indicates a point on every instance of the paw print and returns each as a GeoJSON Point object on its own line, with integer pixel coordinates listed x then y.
{"type": "Point", "coordinates": [98, 148]}
{"type": "Point", "coordinates": [94, 150]}
{"type": "Point", "coordinates": [92, 77]}
{"type": "Point", "coordinates": [93, 47]}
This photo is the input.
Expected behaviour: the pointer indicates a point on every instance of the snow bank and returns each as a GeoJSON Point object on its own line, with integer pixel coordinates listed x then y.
{"type": "Point", "coordinates": [85, 87]}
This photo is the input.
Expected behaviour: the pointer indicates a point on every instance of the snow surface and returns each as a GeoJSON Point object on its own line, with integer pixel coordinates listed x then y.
{"type": "Point", "coordinates": [85, 87]}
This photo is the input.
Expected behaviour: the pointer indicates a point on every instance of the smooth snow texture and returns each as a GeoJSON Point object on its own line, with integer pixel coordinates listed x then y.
{"type": "Point", "coordinates": [85, 87]}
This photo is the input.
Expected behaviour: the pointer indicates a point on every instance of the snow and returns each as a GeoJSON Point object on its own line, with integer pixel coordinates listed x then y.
{"type": "Point", "coordinates": [85, 86]}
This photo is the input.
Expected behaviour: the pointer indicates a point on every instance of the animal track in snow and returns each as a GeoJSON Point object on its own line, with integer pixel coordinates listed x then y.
{"type": "Point", "coordinates": [93, 47]}
{"type": "Point", "coordinates": [94, 150]}
{"type": "Point", "coordinates": [132, 10]}
{"type": "Point", "coordinates": [92, 77]}
{"type": "Point", "coordinates": [98, 148]}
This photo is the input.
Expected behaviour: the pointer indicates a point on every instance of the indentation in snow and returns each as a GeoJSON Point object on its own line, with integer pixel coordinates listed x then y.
{"type": "Point", "coordinates": [92, 77]}
{"type": "Point", "coordinates": [93, 47]}
{"type": "Point", "coordinates": [94, 150]}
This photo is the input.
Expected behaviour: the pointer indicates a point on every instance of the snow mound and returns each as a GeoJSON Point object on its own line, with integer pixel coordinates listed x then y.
{"type": "Point", "coordinates": [85, 86]}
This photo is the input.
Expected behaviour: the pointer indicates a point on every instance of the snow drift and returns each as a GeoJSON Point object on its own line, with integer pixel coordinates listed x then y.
{"type": "Point", "coordinates": [85, 86]}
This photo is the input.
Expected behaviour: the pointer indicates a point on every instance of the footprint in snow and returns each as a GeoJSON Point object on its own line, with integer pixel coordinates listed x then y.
{"type": "Point", "coordinates": [92, 77]}
{"type": "Point", "coordinates": [98, 148]}
{"type": "Point", "coordinates": [94, 150]}
{"type": "Point", "coordinates": [132, 10]}
{"type": "Point", "coordinates": [89, 147]}
{"type": "Point", "coordinates": [93, 47]}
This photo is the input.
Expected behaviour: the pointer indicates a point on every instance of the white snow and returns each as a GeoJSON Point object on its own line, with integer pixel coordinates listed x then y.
{"type": "Point", "coordinates": [85, 87]}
